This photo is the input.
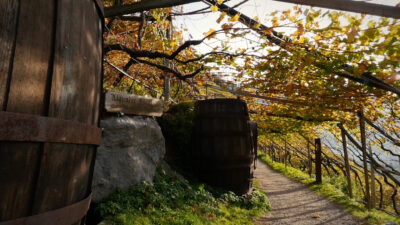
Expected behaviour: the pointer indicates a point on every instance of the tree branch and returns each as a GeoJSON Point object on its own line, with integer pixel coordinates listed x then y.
{"type": "Point", "coordinates": [150, 54]}
{"type": "Point", "coordinates": [142, 6]}
{"type": "Point", "coordinates": [169, 70]}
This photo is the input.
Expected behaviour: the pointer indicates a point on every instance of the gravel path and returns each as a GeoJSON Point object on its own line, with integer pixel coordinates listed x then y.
{"type": "Point", "coordinates": [293, 203]}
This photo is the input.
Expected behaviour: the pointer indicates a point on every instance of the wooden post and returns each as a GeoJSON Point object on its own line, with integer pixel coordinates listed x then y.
{"type": "Point", "coordinates": [373, 191]}
{"type": "Point", "coordinates": [364, 151]}
{"type": "Point", "coordinates": [309, 159]}
{"type": "Point", "coordinates": [318, 161]}
{"type": "Point", "coordinates": [286, 154]}
{"type": "Point", "coordinates": [272, 152]}
{"type": "Point", "coordinates": [346, 160]}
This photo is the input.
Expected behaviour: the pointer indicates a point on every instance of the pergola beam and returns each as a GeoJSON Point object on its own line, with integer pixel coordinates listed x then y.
{"type": "Point", "coordinates": [352, 6]}
{"type": "Point", "coordinates": [143, 6]}
{"type": "Point", "coordinates": [278, 100]}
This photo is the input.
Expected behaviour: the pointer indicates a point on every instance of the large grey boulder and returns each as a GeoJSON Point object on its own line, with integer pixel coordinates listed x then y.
{"type": "Point", "coordinates": [131, 150]}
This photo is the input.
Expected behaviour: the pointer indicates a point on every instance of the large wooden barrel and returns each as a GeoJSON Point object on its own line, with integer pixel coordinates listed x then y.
{"type": "Point", "coordinates": [50, 84]}
{"type": "Point", "coordinates": [222, 152]}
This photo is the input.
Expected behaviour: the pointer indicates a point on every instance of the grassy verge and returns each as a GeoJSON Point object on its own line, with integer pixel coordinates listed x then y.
{"type": "Point", "coordinates": [175, 200]}
{"type": "Point", "coordinates": [334, 188]}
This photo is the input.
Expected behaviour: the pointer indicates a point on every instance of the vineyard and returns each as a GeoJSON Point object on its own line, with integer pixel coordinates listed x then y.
{"type": "Point", "coordinates": [332, 77]}
{"type": "Point", "coordinates": [313, 86]}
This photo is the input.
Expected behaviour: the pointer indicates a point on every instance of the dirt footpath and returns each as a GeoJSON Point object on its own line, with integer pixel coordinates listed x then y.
{"type": "Point", "coordinates": [293, 203]}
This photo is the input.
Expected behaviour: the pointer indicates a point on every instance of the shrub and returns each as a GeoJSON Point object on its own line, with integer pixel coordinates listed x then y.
{"type": "Point", "coordinates": [177, 125]}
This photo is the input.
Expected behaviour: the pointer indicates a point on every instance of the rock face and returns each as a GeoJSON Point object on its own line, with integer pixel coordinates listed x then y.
{"type": "Point", "coordinates": [131, 149]}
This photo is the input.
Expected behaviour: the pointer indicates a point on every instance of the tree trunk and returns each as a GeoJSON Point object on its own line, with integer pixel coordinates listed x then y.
{"type": "Point", "coordinates": [286, 154]}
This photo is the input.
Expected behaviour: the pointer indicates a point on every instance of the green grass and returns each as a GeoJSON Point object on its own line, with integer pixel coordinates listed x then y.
{"type": "Point", "coordinates": [333, 188]}
{"type": "Point", "coordinates": [175, 200]}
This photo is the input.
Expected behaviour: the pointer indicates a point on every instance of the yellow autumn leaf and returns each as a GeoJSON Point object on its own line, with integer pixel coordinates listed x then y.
{"type": "Point", "coordinates": [267, 31]}
{"type": "Point", "coordinates": [361, 68]}
{"type": "Point", "coordinates": [308, 25]}
{"type": "Point", "coordinates": [275, 21]}
{"type": "Point", "coordinates": [302, 39]}
{"type": "Point", "coordinates": [226, 27]}
{"type": "Point", "coordinates": [255, 18]}
{"type": "Point", "coordinates": [219, 2]}
{"type": "Point", "coordinates": [210, 33]}
{"type": "Point", "coordinates": [214, 8]}
{"type": "Point", "coordinates": [316, 216]}
{"type": "Point", "coordinates": [235, 18]}
{"type": "Point", "coordinates": [352, 34]}
{"type": "Point", "coordinates": [221, 17]}
{"type": "Point", "coordinates": [257, 25]}
{"type": "Point", "coordinates": [300, 29]}
{"type": "Point", "coordinates": [317, 37]}
{"type": "Point", "coordinates": [309, 59]}
{"type": "Point", "coordinates": [174, 43]}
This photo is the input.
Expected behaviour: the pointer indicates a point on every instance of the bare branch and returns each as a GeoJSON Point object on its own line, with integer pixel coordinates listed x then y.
{"type": "Point", "coordinates": [142, 6]}
{"type": "Point", "coordinates": [169, 70]}
{"type": "Point", "coordinates": [150, 54]}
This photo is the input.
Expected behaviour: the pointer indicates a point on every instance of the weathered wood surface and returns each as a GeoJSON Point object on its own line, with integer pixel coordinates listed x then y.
{"type": "Point", "coordinates": [133, 104]}
{"type": "Point", "coordinates": [318, 161]}
{"type": "Point", "coordinates": [8, 24]}
{"type": "Point", "coordinates": [75, 95]}
{"type": "Point", "coordinates": [25, 94]}
{"type": "Point", "coordinates": [222, 152]}
{"type": "Point", "coordinates": [50, 65]}
{"type": "Point", "coordinates": [364, 155]}
{"type": "Point", "coordinates": [373, 190]}
{"type": "Point", "coordinates": [24, 127]}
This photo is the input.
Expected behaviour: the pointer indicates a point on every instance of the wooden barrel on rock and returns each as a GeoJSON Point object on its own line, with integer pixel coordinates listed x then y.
{"type": "Point", "coordinates": [50, 85]}
{"type": "Point", "coordinates": [222, 151]}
